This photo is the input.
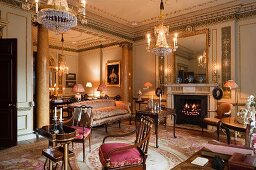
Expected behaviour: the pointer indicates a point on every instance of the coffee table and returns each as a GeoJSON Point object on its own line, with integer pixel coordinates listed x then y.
{"type": "Point", "coordinates": [157, 116]}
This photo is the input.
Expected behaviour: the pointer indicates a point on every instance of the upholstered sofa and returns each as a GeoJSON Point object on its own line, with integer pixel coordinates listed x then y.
{"type": "Point", "coordinates": [105, 111]}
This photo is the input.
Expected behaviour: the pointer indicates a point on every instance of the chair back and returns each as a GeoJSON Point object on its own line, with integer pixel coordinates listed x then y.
{"type": "Point", "coordinates": [224, 110]}
{"type": "Point", "coordinates": [143, 133]}
{"type": "Point", "coordinates": [77, 113]}
{"type": "Point", "coordinates": [86, 118]}
{"type": "Point", "coordinates": [82, 116]}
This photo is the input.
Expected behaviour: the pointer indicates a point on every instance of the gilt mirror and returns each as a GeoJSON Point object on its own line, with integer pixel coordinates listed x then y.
{"type": "Point", "coordinates": [191, 57]}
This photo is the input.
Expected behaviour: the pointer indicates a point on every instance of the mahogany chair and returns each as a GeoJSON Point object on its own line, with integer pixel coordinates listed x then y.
{"type": "Point", "coordinates": [223, 110]}
{"type": "Point", "coordinates": [127, 156]}
{"type": "Point", "coordinates": [81, 121]}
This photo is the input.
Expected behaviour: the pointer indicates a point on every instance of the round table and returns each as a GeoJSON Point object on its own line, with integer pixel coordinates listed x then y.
{"type": "Point", "coordinates": [229, 123]}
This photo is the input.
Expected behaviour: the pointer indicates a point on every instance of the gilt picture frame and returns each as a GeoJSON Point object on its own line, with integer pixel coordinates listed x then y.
{"type": "Point", "coordinates": [71, 76]}
{"type": "Point", "coordinates": [113, 73]}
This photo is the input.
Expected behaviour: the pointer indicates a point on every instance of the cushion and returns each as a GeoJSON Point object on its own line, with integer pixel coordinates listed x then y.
{"type": "Point", "coordinates": [79, 132]}
{"type": "Point", "coordinates": [105, 112]}
{"type": "Point", "coordinates": [212, 121]}
{"type": "Point", "coordinates": [122, 158]}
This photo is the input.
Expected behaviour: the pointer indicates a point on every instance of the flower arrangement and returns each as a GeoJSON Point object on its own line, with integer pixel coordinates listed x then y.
{"type": "Point", "coordinates": [251, 101]}
{"type": "Point", "coordinates": [247, 114]}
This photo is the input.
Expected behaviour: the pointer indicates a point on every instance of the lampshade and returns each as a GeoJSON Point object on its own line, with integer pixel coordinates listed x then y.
{"type": "Point", "coordinates": [88, 84]}
{"type": "Point", "coordinates": [231, 84]}
{"type": "Point", "coordinates": [148, 84]}
{"type": "Point", "coordinates": [78, 88]}
{"type": "Point", "coordinates": [101, 87]}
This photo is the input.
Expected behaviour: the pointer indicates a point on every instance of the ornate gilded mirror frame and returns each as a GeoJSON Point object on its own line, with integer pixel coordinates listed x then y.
{"type": "Point", "coordinates": [171, 66]}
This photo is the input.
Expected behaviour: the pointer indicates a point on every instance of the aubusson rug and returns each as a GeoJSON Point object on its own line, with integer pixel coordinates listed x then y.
{"type": "Point", "coordinates": [171, 150]}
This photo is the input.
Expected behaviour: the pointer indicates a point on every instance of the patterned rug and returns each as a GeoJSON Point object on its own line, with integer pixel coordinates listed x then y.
{"type": "Point", "coordinates": [171, 150]}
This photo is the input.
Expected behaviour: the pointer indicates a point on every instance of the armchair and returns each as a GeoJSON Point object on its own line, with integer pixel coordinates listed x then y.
{"type": "Point", "coordinates": [127, 156]}
{"type": "Point", "coordinates": [81, 121]}
{"type": "Point", "coordinates": [223, 110]}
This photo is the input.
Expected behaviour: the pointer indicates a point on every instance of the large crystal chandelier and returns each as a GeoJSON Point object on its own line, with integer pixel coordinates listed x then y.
{"type": "Point", "coordinates": [56, 15]}
{"type": "Point", "coordinates": [161, 48]}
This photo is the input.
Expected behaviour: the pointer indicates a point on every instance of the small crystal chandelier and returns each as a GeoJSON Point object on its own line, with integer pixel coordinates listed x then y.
{"type": "Point", "coordinates": [161, 32]}
{"type": "Point", "coordinates": [56, 15]}
{"type": "Point", "coordinates": [61, 68]}
{"type": "Point", "coordinates": [202, 60]}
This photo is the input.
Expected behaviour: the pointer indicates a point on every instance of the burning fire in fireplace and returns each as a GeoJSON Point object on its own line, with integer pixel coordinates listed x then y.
{"type": "Point", "coordinates": [191, 109]}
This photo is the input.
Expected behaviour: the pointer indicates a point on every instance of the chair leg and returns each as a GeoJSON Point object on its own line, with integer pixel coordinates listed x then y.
{"type": "Point", "coordinates": [90, 143]}
{"type": "Point", "coordinates": [218, 131]}
{"type": "Point", "coordinates": [106, 128]}
{"type": "Point", "coordinates": [202, 127]}
{"type": "Point", "coordinates": [119, 121]}
{"type": "Point", "coordinates": [83, 151]}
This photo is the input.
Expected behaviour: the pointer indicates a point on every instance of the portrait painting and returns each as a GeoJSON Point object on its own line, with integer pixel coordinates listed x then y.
{"type": "Point", "coordinates": [113, 73]}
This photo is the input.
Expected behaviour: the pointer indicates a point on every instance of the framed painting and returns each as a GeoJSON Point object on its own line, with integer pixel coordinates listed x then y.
{"type": "Point", "coordinates": [71, 76]}
{"type": "Point", "coordinates": [70, 84]}
{"type": "Point", "coordinates": [113, 73]}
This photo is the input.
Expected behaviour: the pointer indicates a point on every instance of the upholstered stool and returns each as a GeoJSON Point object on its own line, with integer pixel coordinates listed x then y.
{"type": "Point", "coordinates": [56, 155]}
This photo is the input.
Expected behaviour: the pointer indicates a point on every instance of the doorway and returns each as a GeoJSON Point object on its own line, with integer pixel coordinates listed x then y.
{"type": "Point", "coordinates": [8, 92]}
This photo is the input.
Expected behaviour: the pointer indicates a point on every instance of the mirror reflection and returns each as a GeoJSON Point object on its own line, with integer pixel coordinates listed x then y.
{"type": "Point", "coordinates": [191, 58]}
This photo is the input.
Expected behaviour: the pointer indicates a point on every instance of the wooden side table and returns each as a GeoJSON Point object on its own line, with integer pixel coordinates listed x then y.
{"type": "Point", "coordinates": [157, 117]}
{"type": "Point", "coordinates": [66, 135]}
{"type": "Point", "coordinates": [229, 123]}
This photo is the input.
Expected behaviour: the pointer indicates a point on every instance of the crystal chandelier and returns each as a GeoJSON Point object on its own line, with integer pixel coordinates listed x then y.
{"type": "Point", "coordinates": [56, 15]}
{"type": "Point", "coordinates": [202, 60]}
{"type": "Point", "coordinates": [61, 68]}
{"type": "Point", "coordinates": [161, 48]}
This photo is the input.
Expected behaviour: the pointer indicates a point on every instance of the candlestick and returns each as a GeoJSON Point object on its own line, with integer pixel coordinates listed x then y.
{"type": "Point", "coordinates": [55, 112]}
{"type": "Point", "coordinates": [60, 114]}
{"type": "Point", "coordinates": [36, 6]}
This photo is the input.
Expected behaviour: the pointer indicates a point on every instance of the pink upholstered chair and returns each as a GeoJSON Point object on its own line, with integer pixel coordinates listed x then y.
{"type": "Point", "coordinates": [223, 110]}
{"type": "Point", "coordinates": [127, 156]}
{"type": "Point", "coordinates": [81, 121]}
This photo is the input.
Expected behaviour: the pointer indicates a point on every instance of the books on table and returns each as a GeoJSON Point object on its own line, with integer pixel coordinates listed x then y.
{"type": "Point", "coordinates": [200, 161]}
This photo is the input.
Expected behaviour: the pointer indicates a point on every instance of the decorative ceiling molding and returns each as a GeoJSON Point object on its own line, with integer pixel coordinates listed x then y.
{"type": "Point", "coordinates": [108, 28]}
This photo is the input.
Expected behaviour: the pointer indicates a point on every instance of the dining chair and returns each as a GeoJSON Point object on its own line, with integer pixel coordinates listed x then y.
{"type": "Point", "coordinates": [81, 120]}
{"type": "Point", "coordinates": [127, 156]}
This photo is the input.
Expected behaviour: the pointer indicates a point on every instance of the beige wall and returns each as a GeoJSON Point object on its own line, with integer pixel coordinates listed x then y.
{"type": "Point", "coordinates": [19, 26]}
{"type": "Point", "coordinates": [89, 68]}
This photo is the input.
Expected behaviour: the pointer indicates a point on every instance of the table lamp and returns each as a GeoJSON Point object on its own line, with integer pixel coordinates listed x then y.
{"type": "Point", "coordinates": [147, 85]}
{"type": "Point", "coordinates": [232, 85]}
{"type": "Point", "coordinates": [101, 88]}
{"type": "Point", "coordinates": [78, 88]}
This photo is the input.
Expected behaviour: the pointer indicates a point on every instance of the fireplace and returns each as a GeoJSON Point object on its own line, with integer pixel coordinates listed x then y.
{"type": "Point", "coordinates": [190, 108]}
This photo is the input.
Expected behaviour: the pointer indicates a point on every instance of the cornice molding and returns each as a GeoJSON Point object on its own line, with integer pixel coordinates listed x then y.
{"type": "Point", "coordinates": [118, 32]}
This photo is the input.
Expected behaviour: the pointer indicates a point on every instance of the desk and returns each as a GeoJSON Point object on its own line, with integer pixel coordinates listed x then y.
{"type": "Point", "coordinates": [157, 117]}
{"type": "Point", "coordinates": [211, 149]}
{"type": "Point", "coordinates": [230, 123]}
{"type": "Point", "coordinates": [67, 135]}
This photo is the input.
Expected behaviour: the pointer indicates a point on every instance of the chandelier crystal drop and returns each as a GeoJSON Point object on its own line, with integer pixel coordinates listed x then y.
{"type": "Point", "coordinates": [161, 32]}
{"type": "Point", "coordinates": [56, 16]}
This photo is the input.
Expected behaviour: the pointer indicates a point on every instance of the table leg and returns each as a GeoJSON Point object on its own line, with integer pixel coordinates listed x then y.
{"type": "Point", "coordinates": [156, 131]}
{"type": "Point", "coordinates": [66, 156]}
{"type": "Point", "coordinates": [227, 133]}
{"type": "Point", "coordinates": [174, 126]}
